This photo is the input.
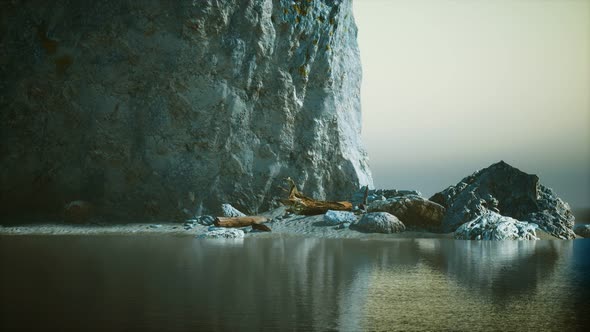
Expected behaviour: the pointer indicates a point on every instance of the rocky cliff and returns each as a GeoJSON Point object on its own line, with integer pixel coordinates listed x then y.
{"type": "Point", "coordinates": [149, 108]}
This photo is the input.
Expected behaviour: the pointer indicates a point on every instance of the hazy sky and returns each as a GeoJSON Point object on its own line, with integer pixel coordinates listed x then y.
{"type": "Point", "coordinates": [450, 87]}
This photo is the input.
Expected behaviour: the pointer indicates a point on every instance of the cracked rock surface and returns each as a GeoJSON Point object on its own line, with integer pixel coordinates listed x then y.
{"type": "Point", "coordinates": [510, 192]}
{"type": "Point", "coordinates": [150, 108]}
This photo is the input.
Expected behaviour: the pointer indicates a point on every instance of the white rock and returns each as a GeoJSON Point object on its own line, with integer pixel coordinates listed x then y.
{"type": "Point", "coordinates": [339, 217]}
{"type": "Point", "coordinates": [223, 233]}
{"type": "Point", "coordinates": [230, 211]}
{"type": "Point", "coordinates": [493, 226]}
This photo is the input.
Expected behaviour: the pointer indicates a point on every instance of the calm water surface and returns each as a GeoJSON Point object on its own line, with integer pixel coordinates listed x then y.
{"type": "Point", "coordinates": [173, 284]}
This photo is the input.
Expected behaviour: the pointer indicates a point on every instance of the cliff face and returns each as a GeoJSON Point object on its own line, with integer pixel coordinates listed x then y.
{"type": "Point", "coordinates": [146, 108]}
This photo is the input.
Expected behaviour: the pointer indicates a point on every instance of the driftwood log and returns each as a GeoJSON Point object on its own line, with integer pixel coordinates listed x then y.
{"type": "Point", "coordinates": [301, 204]}
{"type": "Point", "coordinates": [255, 221]}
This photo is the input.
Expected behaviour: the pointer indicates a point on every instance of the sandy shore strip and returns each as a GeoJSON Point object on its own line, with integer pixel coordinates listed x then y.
{"type": "Point", "coordinates": [293, 226]}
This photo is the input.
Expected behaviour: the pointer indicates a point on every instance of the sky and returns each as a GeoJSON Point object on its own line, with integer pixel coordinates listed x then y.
{"type": "Point", "coordinates": [452, 86]}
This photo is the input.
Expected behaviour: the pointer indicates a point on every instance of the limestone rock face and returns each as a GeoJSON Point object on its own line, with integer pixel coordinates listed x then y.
{"type": "Point", "coordinates": [504, 189]}
{"type": "Point", "coordinates": [146, 108]}
{"type": "Point", "coordinates": [413, 210]}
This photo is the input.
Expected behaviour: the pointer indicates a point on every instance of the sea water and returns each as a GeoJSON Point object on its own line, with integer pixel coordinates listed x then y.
{"type": "Point", "coordinates": [177, 283]}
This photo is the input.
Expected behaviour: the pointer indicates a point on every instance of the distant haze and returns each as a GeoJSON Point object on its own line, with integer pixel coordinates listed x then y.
{"type": "Point", "coordinates": [450, 87]}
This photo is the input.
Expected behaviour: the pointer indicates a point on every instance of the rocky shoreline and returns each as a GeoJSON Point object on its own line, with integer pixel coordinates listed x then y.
{"type": "Point", "coordinates": [292, 226]}
{"type": "Point", "coordinates": [496, 203]}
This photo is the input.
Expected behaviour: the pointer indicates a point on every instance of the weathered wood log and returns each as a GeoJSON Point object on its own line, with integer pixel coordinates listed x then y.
{"type": "Point", "coordinates": [239, 221]}
{"type": "Point", "coordinates": [301, 204]}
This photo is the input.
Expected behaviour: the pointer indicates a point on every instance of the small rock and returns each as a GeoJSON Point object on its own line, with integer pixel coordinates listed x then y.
{"type": "Point", "coordinates": [408, 192]}
{"type": "Point", "coordinates": [582, 230]}
{"type": "Point", "coordinates": [343, 225]}
{"type": "Point", "coordinates": [493, 226]}
{"type": "Point", "coordinates": [230, 211]}
{"type": "Point", "coordinates": [373, 197]}
{"type": "Point", "coordinates": [156, 226]}
{"type": "Point", "coordinates": [205, 220]}
{"type": "Point", "coordinates": [379, 222]}
{"type": "Point", "coordinates": [380, 195]}
{"type": "Point", "coordinates": [78, 211]}
{"type": "Point", "coordinates": [338, 217]}
{"type": "Point", "coordinates": [223, 233]}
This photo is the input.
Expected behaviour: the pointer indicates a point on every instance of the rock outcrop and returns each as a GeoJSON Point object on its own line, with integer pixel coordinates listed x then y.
{"type": "Point", "coordinates": [510, 192]}
{"type": "Point", "coordinates": [414, 211]}
{"type": "Point", "coordinates": [493, 226]}
{"type": "Point", "coordinates": [379, 222]}
{"type": "Point", "coordinates": [148, 108]}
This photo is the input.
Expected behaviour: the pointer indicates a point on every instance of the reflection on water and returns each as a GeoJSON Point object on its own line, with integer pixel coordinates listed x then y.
{"type": "Point", "coordinates": [124, 283]}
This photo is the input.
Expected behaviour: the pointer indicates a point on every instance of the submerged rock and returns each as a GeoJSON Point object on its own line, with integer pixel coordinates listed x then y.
{"type": "Point", "coordinates": [493, 226]}
{"type": "Point", "coordinates": [414, 211]}
{"type": "Point", "coordinates": [582, 230]}
{"type": "Point", "coordinates": [229, 211]}
{"type": "Point", "coordinates": [223, 233]}
{"type": "Point", "coordinates": [504, 189]}
{"type": "Point", "coordinates": [339, 217]}
{"type": "Point", "coordinates": [150, 107]}
{"type": "Point", "coordinates": [379, 222]}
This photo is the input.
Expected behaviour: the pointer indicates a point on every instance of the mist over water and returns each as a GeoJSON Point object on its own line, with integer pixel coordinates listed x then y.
{"type": "Point", "coordinates": [450, 87]}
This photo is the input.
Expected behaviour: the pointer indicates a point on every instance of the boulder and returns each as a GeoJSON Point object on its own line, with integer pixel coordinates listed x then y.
{"type": "Point", "coordinates": [413, 210]}
{"type": "Point", "coordinates": [582, 230]}
{"type": "Point", "coordinates": [229, 211]}
{"type": "Point", "coordinates": [339, 217]}
{"type": "Point", "coordinates": [379, 222]}
{"type": "Point", "coordinates": [493, 226]}
{"type": "Point", "coordinates": [504, 189]}
{"type": "Point", "coordinates": [78, 212]}
{"type": "Point", "coordinates": [146, 108]}
{"type": "Point", "coordinates": [223, 233]}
